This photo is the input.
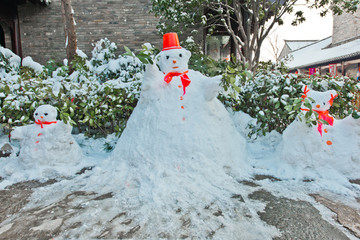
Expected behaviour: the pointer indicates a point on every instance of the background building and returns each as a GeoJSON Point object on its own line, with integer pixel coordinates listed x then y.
{"type": "Point", "coordinates": [336, 55]}
{"type": "Point", "coordinates": [34, 28]}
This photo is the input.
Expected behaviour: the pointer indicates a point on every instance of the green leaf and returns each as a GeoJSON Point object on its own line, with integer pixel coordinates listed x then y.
{"type": "Point", "coordinates": [277, 105]}
{"type": "Point", "coordinates": [128, 52]}
{"type": "Point", "coordinates": [7, 89]}
{"type": "Point", "coordinates": [323, 122]}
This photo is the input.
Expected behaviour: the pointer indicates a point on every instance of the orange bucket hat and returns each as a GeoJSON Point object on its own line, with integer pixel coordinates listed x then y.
{"type": "Point", "coordinates": [171, 41]}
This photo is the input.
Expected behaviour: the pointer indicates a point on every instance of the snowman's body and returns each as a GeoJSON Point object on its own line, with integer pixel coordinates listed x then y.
{"type": "Point", "coordinates": [334, 145]}
{"type": "Point", "coordinates": [48, 141]}
{"type": "Point", "coordinates": [179, 152]}
{"type": "Point", "coordinates": [170, 123]}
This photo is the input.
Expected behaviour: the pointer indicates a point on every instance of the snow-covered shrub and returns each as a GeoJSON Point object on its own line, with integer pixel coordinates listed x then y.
{"type": "Point", "coordinates": [273, 97]}
{"type": "Point", "coordinates": [106, 66]}
{"type": "Point", "coordinates": [265, 98]}
{"type": "Point", "coordinates": [95, 101]}
{"type": "Point", "coordinates": [8, 60]}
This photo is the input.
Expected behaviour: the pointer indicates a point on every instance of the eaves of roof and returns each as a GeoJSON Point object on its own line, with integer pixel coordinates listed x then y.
{"type": "Point", "coordinates": [347, 57]}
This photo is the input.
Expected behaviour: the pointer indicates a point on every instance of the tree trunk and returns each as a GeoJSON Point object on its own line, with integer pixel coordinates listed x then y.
{"type": "Point", "coordinates": [70, 32]}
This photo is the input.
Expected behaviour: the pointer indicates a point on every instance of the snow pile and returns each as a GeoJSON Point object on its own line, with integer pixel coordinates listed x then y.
{"type": "Point", "coordinates": [177, 169]}
{"type": "Point", "coordinates": [13, 59]}
{"type": "Point", "coordinates": [173, 157]}
{"type": "Point", "coordinates": [29, 62]}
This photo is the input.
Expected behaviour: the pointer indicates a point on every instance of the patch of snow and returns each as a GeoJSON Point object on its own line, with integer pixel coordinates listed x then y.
{"type": "Point", "coordinates": [81, 54]}
{"type": "Point", "coordinates": [48, 226]}
{"type": "Point", "coordinates": [30, 63]}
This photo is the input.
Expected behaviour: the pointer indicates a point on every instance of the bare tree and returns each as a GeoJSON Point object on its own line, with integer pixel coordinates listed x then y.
{"type": "Point", "coordinates": [274, 44]}
{"type": "Point", "coordinates": [70, 31]}
{"type": "Point", "coordinates": [248, 22]}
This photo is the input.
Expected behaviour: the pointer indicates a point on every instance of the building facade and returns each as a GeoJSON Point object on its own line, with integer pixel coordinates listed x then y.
{"type": "Point", "coordinates": [36, 29]}
{"type": "Point", "coordinates": [335, 55]}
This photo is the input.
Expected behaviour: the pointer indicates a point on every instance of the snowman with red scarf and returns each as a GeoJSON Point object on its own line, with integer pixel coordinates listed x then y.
{"type": "Point", "coordinates": [178, 117]}
{"type": "Point", "coordinates": [47, 142]}
{"type": "Point", "coordinates": [331, 143]}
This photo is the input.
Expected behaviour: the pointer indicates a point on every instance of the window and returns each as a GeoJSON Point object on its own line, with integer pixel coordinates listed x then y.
{"type": "Point", "coordinates": [218, 47]}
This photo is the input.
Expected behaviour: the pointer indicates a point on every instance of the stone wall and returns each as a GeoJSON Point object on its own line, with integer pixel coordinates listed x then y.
{"type": "Point", "coordinates": [346, 27]}
{"type": "Point", "coordinates": [124, 22]}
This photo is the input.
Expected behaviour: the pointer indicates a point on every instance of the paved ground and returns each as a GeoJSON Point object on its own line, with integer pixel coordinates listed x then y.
{"type": "Point", "coordinates": [294, 219]}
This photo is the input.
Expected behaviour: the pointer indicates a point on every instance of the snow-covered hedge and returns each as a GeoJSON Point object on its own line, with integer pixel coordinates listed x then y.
{"type": "Point", "coordinates": [98, 96]}
{"type": "Point", "coordinates": [273, 97]}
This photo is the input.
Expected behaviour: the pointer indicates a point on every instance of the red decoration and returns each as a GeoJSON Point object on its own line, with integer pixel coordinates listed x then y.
{"type": "Point", "coordinates": [332, 98]}
{"type": "Point", "coordinates": [183, 76]}
{"type": "Point", "coordinates": [46, 123]}
{"type": "Point", "coordinates": [323, 115]}
{"type": "Point", "coordinates": [171, 41]}
{"type": "Point", "coordinates": [306, 90]}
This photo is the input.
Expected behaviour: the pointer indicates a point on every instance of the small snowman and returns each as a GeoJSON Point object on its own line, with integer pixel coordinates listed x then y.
{"type": "Point", "coordinates": [47, 142]}
{"type": "Point", "coordinates": [178, 115]}
{"type": "Point", "coordinates": [310, 147]}
{"type": "Point", "coordinates": [320, 103]}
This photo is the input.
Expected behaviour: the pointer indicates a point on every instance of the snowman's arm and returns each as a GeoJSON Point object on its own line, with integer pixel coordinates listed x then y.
{"type": "Point", "coordinates": [19, 133]}
{"type": "Point", "coordinates": [63, 128]}
{"type": "Point", "coordinates": [151, 73]}
{"type": "Point", "coordinates": [211, 87]}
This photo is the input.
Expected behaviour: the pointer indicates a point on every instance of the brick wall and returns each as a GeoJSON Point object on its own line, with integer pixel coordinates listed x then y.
{"type": "Point", "coordinates": [124, 22]}
{"type": "Point", "coordinates": [346, 26]}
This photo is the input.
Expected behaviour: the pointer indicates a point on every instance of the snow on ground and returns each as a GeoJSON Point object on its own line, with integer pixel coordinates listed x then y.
{"type": "Point", "coordinates": [155, 215]}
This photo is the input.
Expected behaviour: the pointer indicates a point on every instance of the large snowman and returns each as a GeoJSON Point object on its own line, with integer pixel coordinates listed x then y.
{"type": "Point", "coordinates": [180, 157]}
{"type": "Point", "coordinates": [47, 142]}
{"type": "Point", "coordinates": [178, 116]}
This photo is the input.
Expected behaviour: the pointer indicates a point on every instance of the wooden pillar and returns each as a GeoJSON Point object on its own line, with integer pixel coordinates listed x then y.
{"type": "Point", "coordinates": [2, 37]}
{"type": "Point", "coordinates": [16, 35]}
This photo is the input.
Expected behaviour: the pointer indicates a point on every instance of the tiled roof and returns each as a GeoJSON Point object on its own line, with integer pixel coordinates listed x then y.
{"type": "Point", "coordinates": [321, 52]}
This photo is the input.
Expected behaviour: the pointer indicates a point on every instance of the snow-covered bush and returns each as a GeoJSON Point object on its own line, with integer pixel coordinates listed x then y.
{"type": "Point", "coordinates": [273, 97]}
{"type": "Point", "coordinates": [98, 97]}
{"type": "Point", "coordinates": [265, 97]}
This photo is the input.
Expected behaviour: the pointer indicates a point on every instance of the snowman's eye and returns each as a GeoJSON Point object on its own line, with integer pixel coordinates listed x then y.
{"type": "Point", "coordinates": [167, 57]}
{"type": "Point", "coordinates": [324, 103]}
{"type": "Point", "coordinates": [36, 114]}
{"type": "Point", "coordinates": [46, 114]}
{"type": "Point", "coordinates": [180, 55]}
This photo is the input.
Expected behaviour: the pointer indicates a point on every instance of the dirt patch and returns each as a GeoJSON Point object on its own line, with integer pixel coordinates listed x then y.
{"type": "Point", "coordinates": [16, 196]}
{"type": "Point", "coordinates": [355, 181]}
{"type": "Point", "coordinates": [260, 177]}
{"type": "Point", "coordinates": [346, 216]}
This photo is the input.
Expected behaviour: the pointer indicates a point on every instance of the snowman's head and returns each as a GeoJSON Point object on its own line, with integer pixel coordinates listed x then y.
{"type": "Point", "coordinates": [174, 60]}
{"type": "Point", "coordinates": [322, 100]}
{"type": "Point", "coordinates": [45, 113]}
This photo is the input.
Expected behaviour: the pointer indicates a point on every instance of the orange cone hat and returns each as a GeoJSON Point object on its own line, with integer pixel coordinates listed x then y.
{"type": "Point", "coordinates": [171, 41]}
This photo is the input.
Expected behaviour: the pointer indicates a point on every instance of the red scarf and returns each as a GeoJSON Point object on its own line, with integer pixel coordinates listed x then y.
{"type": "Point", "coordinates": [41, 123]}
{"type": "Point", "coordinates": [183, 76]}
{"type": "Point", "coordinates": [323, 115]}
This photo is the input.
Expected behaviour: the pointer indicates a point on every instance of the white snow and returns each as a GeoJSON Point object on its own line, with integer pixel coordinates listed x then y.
{"type": "Point", "coordinates": [166, 170]}
{"type": "Point", "coordinates": [29, 62]}
{"type": "Point", "coordinates": [296, 44]}
{"type": "Point", "coordinates": [14, 59]}
{"type": "Point", "coordinates": [81, 53]}
{"type": "Point", "coordinates": [321, 51]}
